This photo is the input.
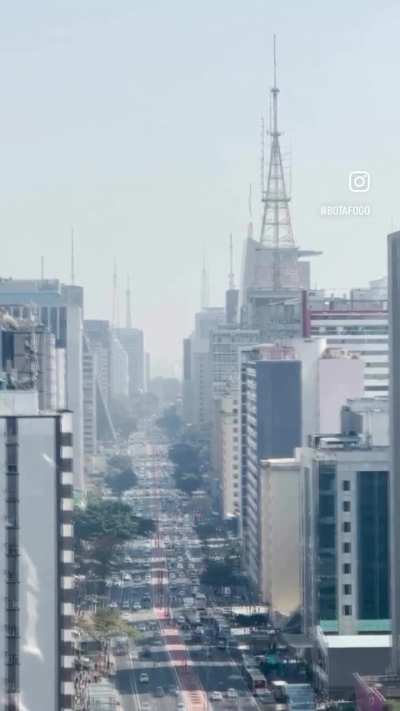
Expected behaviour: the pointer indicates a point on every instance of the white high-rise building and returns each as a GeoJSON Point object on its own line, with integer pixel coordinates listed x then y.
{"type": "Point", "coordinates": [36, 552]}
{"type": "Point", "coordinates": [227, 453]}
{"type": "Point", "coordinates": [358, 323]}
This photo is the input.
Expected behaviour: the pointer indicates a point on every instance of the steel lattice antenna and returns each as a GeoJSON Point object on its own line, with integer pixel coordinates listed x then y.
{"type": "Point", "coordinates": [276, 228]}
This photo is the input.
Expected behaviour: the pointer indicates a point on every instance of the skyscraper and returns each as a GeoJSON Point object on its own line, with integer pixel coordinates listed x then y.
{"type": "Point", "coordinates": [61, 310]}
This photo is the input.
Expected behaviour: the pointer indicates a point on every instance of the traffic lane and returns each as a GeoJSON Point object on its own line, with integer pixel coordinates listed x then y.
{"type": "Point", "coordinates": [219, 676]}
{"type": "Point", "coordinates": [160, 675]}
{"type": "Point", "coordinates": [124, 682]}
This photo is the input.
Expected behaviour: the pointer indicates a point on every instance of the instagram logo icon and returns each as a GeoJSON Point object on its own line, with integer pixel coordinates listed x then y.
{"type": "Point", "coordinates": [359, 181]}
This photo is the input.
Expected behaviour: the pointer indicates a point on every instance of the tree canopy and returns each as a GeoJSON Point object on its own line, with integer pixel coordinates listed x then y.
{"type": "Point", "coordinates": [100, 531]}
{"type": "Point", "coordinates": [105, 623]}
{"type": "Point", "coordinates": [121, 481]}
{"type": "Point", "coordinates": [218, 573]}
{"type": "Point", "coordinates": [185, 457]}
{"type": "Point", "coordinates": [170, 422]}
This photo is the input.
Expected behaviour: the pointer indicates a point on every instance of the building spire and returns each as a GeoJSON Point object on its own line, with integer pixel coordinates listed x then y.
{"type": "Point", "coordinates": [114, 318]}
{"type": "Point", "coordinates": [250, 227]}
{"type": "Point", "coordinates": [276, 228]}
{"type": "Point", "coordinates": [128, 323]}
{"type": "Point", "coordinates": [72, 257]}
{"type": "Point", "coordinates": [231, 282]}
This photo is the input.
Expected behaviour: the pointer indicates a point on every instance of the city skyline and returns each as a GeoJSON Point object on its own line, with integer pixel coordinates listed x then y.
{"type": "Point", "coordinates": [164, 165]}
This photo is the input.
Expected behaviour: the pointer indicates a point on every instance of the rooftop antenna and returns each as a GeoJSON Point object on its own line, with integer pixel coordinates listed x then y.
{"type": "Point", "coordinates": [72, 257]}
{"type": "Point", "coordinates": [42, 268]}
{"type": "Point", "coordinates": [128, 323]}
{"type": "Point", "coordinates": [231, 274]}
{"type": "Point", "coordinates": [114, 319]}
{"type": "Point", "coordinates": [250, 229]}
{"type": "Point", "coordinates": [262, 159]}
{"type": "Point", "coordinates": [276, 229]}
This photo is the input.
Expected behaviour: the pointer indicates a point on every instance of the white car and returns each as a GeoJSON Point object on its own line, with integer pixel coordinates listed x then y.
{"type": "Point", "coordinates": [137, 606]}
{"type": "Point", "coordinates": [216, 696]}
{"type": "Point", "coordinates": [144, 678]}
{"type": "Point", "coordinates": [232, 694]}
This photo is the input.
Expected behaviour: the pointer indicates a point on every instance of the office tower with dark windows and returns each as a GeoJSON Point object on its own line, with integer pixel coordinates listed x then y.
{"type": "Point", "coordinates": [271, 428]}
{"type": "Point", "coordinates": [345, 534]}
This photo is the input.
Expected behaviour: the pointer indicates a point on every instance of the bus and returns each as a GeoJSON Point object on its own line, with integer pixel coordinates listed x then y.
{"type": "Point", "coordinates": [255, 679]}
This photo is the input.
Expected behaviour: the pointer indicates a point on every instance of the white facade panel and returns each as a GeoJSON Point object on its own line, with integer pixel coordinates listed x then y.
{"type": "Point", "coordinates": [339, 379]}
{"type": "Point", "coordinates": [279, 536]}
{"type": "Point", "coordinates": [38, 564]}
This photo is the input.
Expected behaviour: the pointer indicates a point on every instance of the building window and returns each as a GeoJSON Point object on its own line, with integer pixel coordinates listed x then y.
{"type": "Point", "coordinates": [347, 547]}
{"type": "Point", "coordinates": [347, 610]}
{"type": "Point", "coordinates": [347, 589]}
{"type": "Point", "coordinates": [346, 527]}
{"type": "Point", "coordinates": [346, 568]}
{"type": "Point", "coordinates": [346, 485]}
{"type": "Point", "coordinates": [346, 505]}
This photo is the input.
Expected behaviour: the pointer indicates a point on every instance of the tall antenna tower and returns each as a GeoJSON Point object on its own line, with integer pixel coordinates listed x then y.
{"type": "Point", "coordinates": [276, 227]}
{"type": "Point", "coordinates": [115, 318]}
{"type": "Point", "coordinates": [231, 281]}
{"type": "Point", "coordinates": [250, 227]}
{"type": "Point", "coordinates": [72, 257]}
{"type": "Point", "coordinates": [128, 323]}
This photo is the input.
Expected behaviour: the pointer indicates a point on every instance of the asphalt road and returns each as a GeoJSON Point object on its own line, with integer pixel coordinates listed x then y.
{"type": "Point", "coordinates": [203, 671]}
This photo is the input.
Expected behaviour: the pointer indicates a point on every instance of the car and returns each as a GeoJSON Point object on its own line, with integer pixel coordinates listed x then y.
{"type": "Point", "coordinates": [159, 692]}
{"type": "Point", "coordinates": [125, 605]}
{"type": "Point", "coordinates": [113, 605]}
{"type": "Point", "coordinates": [145, 706]}
{"type": "Point", "coordinates": [144, 678]}
{"type": "Point", "coordinates": [173, 690]}
{"type": "Point", "coordinates": [137, 606]}
{"type": "Point", "coordinates": [181, 706]}
{"type": "Point", "coordinates": [232, 694]}
{"type": "Point", "coordinates": [141, 627]}
{"type": "Point", "coordinates": [216, 696]}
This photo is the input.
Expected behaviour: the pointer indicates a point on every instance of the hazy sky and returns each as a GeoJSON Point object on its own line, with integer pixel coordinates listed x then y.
{"type": "Point", "coordinates": [138, 122]}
